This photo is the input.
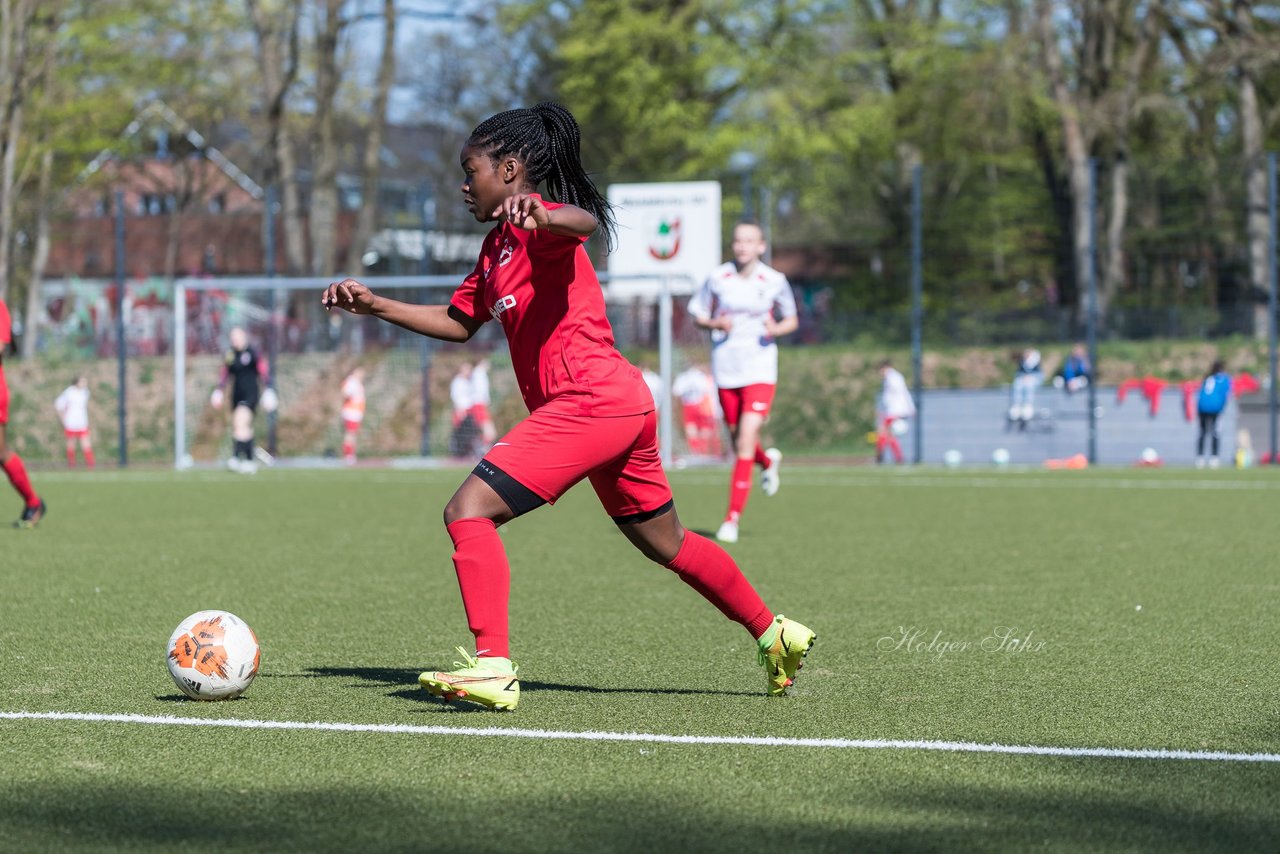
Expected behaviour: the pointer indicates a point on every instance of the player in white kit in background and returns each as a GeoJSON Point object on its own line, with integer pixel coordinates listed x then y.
{"type": "Point", "coordinates": [480, 402]}
{"type": "Point", "coordinates": [73, 408]}
{"type": "Point", "coordinates": [746, 305]}
{"type": "Point", "coordinates": [353, 405]}
{"type": "Point", "coordinates": [697, 393]}
{"type": "Point", "coordinates": [894, 407]}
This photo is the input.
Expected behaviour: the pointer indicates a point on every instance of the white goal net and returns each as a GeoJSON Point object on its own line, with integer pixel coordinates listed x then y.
{"type": "Point", "coordinates": [410, 414]}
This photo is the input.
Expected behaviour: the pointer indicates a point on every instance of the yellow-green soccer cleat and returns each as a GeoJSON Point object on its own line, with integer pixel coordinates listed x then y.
{"type": "Point", "coordinates": [491, 682]}
{"type": "Point", "coordinates": [782, 651]}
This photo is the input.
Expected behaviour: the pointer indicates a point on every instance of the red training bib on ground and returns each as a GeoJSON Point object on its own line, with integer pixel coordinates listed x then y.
{"type": "Point", "coordinates": [543, 290]}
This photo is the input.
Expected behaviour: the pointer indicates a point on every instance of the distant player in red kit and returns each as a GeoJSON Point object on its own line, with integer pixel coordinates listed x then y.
{"type": "Point", "coordinates": [747, 305]}
{"type": "Point", "coordinates": [590, 414]}
{"type": "Point", "coordinates": [33, 509]}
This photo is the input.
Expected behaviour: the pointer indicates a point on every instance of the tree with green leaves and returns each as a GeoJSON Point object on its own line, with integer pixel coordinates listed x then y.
{"type": "Point", "coordinates": [24, 26]}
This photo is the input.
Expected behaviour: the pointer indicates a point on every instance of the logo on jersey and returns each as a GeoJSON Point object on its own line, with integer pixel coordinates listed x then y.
{"type": "Point", "coordinates": [503, 304]}
{"type": "Point", "coordinates": [664, 238]}
{"type": "Point", "coordinates": [505, 255]}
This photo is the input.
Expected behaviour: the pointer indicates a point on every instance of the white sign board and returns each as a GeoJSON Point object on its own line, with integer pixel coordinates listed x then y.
{"type": "Point", "coordinates": [664, 229]}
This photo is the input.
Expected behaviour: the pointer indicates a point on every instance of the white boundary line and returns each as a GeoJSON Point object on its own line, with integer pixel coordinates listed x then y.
{"type": "Point", "coordinates": [657, 738]}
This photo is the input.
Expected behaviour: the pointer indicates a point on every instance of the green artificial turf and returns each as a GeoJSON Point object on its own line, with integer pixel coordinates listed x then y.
{"type": "Point", "coordinates": [917, 583]}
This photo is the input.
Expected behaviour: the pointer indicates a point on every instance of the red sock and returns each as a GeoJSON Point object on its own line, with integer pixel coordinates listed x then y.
{"type": "Point", "coordinates": [761, 460]}
{"type": "Point", "coordinates": [707, 568]}
{"type": "Point", "coordinates": [348, 449]}
{"type": "Point", "coordinates": [740, 487]}
{"type": "Point", "coordinates": [71, 457]}
{"type": "Point", "coordinates": [895, 448]}
{"type": "Point", "coordinates": [88, 457]}
{"type": "Point", "coordinates": [18, 477]}
{"type": "Point", "coordinates": [484, 577]}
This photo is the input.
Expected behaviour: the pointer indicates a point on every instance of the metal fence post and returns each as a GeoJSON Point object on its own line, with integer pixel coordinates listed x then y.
{"type": "Point", "coordinates": [917, 308]}
{"type": "Point", "coordinates": [179, 376]}
{"type": "Point", "coordinates": [1271, 297]}
{"type": "Point", "coordinates": [1091, 310]}
{"type": "Point", "coordinates": [269, 259]}
{"type": "Point", "coordinates": [424, 369]}
{"type": "Point", "coordinates": [121, 367]}
{"type": "Point", "coordinates": [665, 313]}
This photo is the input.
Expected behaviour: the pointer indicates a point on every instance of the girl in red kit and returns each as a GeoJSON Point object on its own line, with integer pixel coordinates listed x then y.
{"type": "Point", "coordinates": [590, 413]}
{"type": "Point", "coordinates": [33, 509]}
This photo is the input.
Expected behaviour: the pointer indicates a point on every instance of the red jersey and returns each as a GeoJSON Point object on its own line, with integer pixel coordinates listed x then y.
{"type": "Point", "coordinates": [6, 330]}
{"type": "Point", "coordinates": [543, 290]}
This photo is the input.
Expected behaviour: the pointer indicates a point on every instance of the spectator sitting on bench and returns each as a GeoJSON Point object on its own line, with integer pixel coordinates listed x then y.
{"type": "Point", "coordinates": [1026, 379]}
{"type": "Point", "coordinates": [1076, 373]}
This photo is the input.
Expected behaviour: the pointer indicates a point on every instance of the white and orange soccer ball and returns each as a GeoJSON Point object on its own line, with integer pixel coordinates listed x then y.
{"type": "Point", "coordinates": [213, 655]}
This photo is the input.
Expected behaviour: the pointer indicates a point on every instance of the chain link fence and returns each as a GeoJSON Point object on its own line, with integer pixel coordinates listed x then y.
{"type": "Point", "coordinates": [997, 270]}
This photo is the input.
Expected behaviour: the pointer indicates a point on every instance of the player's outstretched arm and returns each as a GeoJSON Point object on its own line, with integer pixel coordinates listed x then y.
{"type": "Point", "coordinates": [435, 321]}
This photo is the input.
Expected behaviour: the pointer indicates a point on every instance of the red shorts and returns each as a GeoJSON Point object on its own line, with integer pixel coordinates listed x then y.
{"type": "Point", "coordinates": [75, 434]}
{"type": "Point", "coordinates": [4, 399]}
{"type": "Point", "coordinates": [480, 412]}
{"type": "Point", "coordinates": [547, 453]}
{"type": "Point", "coordinates": [699, 417]}
{"type": "Point", "coordinates": [750, 398]}
{"type": "Point", "coordinates": [350, 426]}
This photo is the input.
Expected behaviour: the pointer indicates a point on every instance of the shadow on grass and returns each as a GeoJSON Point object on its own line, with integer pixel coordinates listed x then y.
{"type": "Point", "coordinates": [1159, 806]}
{"type": "Point", "coordinates": [183, 698]}
{"type": "Point", "coordinates": [406, 679]}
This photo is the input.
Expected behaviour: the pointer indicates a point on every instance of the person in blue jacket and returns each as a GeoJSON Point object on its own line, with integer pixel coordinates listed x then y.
{"type": "Point", "coordinates": [1076, 371]}
{"type": "Point", "coordinates": [1215, 391]}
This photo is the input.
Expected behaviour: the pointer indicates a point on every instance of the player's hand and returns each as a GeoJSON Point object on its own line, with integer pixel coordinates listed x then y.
{"type": "Point", "coordinates": [348, 295]}
{"type": "Point", "coordinates": [724, 323]}
{"type": "Point", "coordinates": [215, 399]}
{"type": "Point", "coordinates": [523, 211]}
{"type": "Point", "coordinates": [770, 326]}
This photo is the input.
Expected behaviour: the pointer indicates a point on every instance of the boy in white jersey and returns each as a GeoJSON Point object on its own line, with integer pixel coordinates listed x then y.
{"type": "Point", "coordinates": [73, 408]}
{"type": "Point", "coordinates": [747, 305]}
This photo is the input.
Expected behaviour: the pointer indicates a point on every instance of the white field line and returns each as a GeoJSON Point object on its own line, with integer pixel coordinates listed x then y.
{"type": "Point", "coordinates": [657, 738]}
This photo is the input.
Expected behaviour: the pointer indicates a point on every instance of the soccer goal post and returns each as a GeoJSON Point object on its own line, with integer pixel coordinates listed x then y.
{"type": "Point", "coordinates": [409, 412]}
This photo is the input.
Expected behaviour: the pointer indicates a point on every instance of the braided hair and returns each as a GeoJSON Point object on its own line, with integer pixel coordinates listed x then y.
{"type": "Point", "coordinates": [546, 138]}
